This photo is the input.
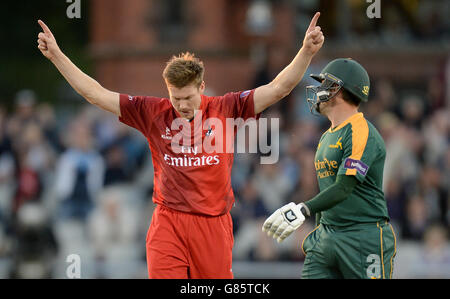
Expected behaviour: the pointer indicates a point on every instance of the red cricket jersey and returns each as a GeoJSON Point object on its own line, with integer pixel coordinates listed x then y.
{"type": "Point", "coordinates": [192, 167]}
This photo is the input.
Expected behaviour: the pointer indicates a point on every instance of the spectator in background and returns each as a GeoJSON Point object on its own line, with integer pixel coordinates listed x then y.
{"type": "Point", "coordinates": [116, 167]}
{"type": "Point", "coordinates": [435, 195]}
{"type": "Point", "coordinates": [7, 167]}
{"type": "Point", "coordinates": [433, 260]}
{"type": "Point", "coordinates": [79, 173]}
{"type": "Point", "coordinates": [273, 186]}
{"type": "Point", "coordinates": [306, 185]}
{"type": "Point", "coordinates": [125, 156]}
{"type": "Point", "coordinates": [34, 244]}
{"type": "Point", "coordinates": [46, 119]}
{"type": "Point", "coordinates": [113, 228]}
{"type": "Point", "coordinates": [435, 93]}
{"type": "Point", "coordinates": [250, 206]}
{"type": "Point", "coordinates": [35, 159]}
{"type": "Point", "coordinates": [25, 106]}
{"type": "Point", "coordinates": [402, 163]}
{"type": "Point", "coordinates": [244, 162]}
{"type": "Point", "coordinates": [40, 156]}
{"type": "Point", "coordinates": [416, 218]}
{"type": "Point", "coordinates": [248, 216]}
{"type": "Point", "coordinates": [412, 111]}
{"type": "Point", "coordinates": [123, 150]}
{"type": "Point", "coordinates": [395, 178]}
{"type": "Point", "coordinates": [28, 183]}
{"type": "Point", "coordinates": [384, 101]}
{"type": "Point", "coordinates": [436, 132]}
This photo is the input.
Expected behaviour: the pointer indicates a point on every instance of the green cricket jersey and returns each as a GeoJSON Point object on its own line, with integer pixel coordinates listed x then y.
{"type": "Point", "coordinates": [353, 148]}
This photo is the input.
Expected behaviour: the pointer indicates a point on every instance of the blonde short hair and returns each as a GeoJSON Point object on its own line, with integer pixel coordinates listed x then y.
{"type": "Point", "coordinates": [183, 70]}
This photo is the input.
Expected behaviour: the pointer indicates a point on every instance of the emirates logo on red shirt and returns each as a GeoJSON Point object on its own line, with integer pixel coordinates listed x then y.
{"type": "Point", "coordinates": [187, 161]}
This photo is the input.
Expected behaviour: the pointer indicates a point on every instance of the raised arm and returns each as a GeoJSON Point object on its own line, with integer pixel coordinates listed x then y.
{"type": "Point", "coordinates": [87, 87]}
{"type": "Point", "coordinates": [291, 75]}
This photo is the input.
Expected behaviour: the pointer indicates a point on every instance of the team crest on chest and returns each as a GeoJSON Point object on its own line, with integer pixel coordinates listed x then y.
{"type": "Point", "coordinates": [167, 135]}
{"type": "Point", "coordinates": [210, 132]}
{"type": "Point", "coordinates": [338, 144]}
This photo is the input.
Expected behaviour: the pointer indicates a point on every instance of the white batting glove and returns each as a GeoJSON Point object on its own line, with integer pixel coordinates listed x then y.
{"type": "Point", "coordinates": [284, 221]}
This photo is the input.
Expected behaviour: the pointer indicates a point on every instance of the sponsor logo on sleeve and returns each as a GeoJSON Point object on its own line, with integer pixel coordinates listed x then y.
{"type": "Point", "coordinates": [244, 93]}
{"type": "Point", "coordinates": [356, 164]}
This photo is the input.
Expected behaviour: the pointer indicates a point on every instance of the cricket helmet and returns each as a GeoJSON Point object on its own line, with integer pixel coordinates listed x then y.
{"type": "Point", "coordinates": [340, 73]}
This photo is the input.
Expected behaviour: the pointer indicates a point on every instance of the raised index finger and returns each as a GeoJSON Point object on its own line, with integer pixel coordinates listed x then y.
{"type": "Point", "coordinates": [313, 23]}
{"type": "Point", "coordinates": [44, 27]}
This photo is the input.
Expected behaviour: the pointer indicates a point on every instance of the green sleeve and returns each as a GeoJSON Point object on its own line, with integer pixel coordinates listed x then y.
{"type": "Point", "coordinates": [332, 195]}
{"type": "Point", "coordinates": [318, 216]}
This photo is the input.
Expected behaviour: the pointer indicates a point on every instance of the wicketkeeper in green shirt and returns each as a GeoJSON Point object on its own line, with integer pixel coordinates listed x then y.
{"type": "Point", "coordinates": [353, 237]}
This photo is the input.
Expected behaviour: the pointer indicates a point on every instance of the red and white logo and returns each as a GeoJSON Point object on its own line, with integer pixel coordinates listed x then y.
{"type": "Point", "coordinates": [168, 135]}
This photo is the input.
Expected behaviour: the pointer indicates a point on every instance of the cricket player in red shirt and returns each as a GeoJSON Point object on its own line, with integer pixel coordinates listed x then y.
{"type": "Point", "coordinates": [191, 233]}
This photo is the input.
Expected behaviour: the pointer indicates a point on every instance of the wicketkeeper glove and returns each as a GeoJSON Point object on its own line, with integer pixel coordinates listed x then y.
{"type": "Point", "coordinates": [285, 220]}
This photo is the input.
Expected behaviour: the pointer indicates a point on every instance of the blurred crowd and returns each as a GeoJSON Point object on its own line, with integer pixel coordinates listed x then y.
{"type": "Point", "coordinates": [80, 182]}
{"type": "Point", "coordinates": [77, 184]}
{"type": "Point", "coordinates": [398, 23]}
